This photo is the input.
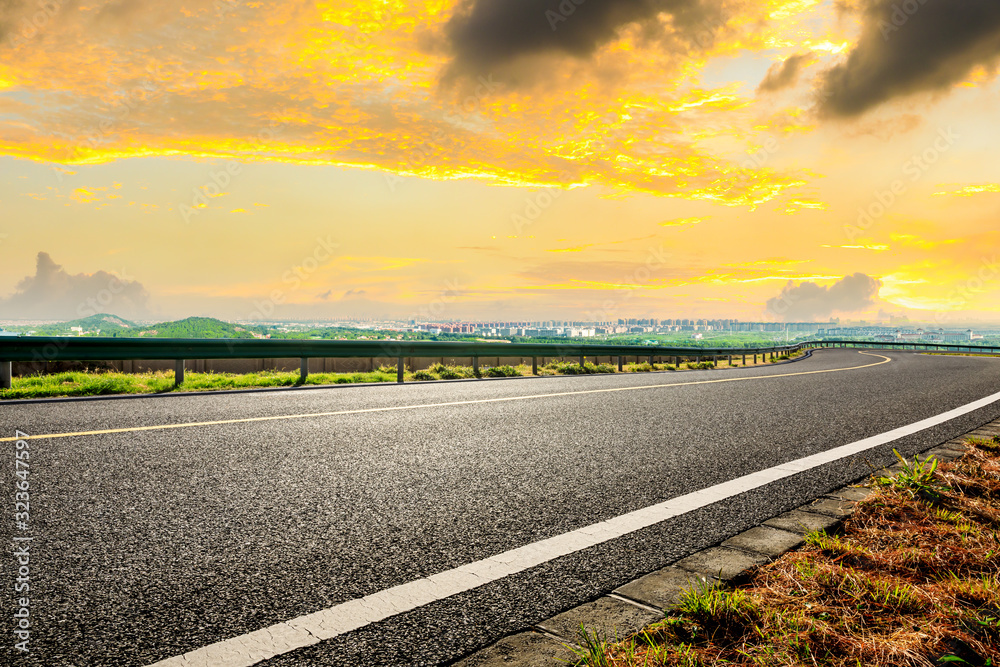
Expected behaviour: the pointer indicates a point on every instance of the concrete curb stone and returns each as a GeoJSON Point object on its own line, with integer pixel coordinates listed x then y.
{"type": "Point", "coordinates": [722, 562]}
{"type": "Point", "coordinates": [664, 588]}
{"type": "Point", "coordinates": [609, 617]}
{"type": "Point", "coordinates": [769, 541]}
{"type": "Point", "coordinates": [798, 521]}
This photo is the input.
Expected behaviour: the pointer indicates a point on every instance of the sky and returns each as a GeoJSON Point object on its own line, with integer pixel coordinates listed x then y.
{"type": "Point", "coordinates": [500, 159]}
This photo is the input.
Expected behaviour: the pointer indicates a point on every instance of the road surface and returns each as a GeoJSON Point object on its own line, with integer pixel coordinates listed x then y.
{"type": "Point", "coordinates": [162, 525]}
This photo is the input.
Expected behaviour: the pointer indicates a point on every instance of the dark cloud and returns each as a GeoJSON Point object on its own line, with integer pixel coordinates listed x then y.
{"type": "Point", "coordinates": [809, 302]}
{"type": "Point", "coordinates": [10, 15]}
{"type": "Point", "coordinates": [782, 75]}
{"type": "Point", "coordinates": [486, 34]}
{"type": "Point", "coordinates": [910, 47]}
{"type": "Point", "coordinates": [54, 294]}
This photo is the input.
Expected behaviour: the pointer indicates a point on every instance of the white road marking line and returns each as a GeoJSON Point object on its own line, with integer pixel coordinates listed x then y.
{"type": "Point", "coordinates": [397, 408]}
{"type": "Point", "coordinates": [249, 649]}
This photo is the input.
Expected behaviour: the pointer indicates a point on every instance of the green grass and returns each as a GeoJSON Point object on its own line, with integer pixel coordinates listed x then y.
{"type": "Point", "coordinates": [916, 478]}
{"type": "Point", "coordinates": [77, 383]}
{"type": "Point", "coordinates": [501, 372]}
{"type": "Point", "coordinates": [104, 383]}
{"type": "Point", "coordinates": [574, 368]}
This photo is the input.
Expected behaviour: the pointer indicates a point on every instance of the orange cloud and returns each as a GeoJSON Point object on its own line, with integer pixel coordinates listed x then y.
{"type": "Point", "coordinates": [971, 190]}
{"type": "Point", "coordinates": [354, 84]}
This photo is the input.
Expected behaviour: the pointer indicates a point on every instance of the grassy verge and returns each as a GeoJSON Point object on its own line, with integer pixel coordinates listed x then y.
{"type": "Point", "coordinates": [962, 354]}
{"type": "Point", "coordinates": [101, 384]}
{"type": "Point", "coordinates": [79, 383]}
{"type": "Point", "coordinates": [913, 580]}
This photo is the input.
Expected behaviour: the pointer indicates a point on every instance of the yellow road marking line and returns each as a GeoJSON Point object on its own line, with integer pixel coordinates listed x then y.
{"type": "Point", "coordinates": [248, 420]}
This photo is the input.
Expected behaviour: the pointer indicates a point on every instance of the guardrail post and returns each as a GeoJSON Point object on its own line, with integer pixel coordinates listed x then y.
{"type": "Point", "coordinates": [178, 372]}
{"type": "Point", "coordinates": [475, 366]}
{"type": "Point", "coordinates": [621, 364]}
{"type": "Point", "coordinates": [534, 365]}
{"type": "Point", "coordinates": [581, 361]}
{"type": "Point", "coordinates": [5, 374]}
{"type": "Point", "coordinates": [303, 369]}
{"type": "Point", "coordinates": [744, 359]}
{"type": "Point", "coordinates": [399, 370]}
{"type": "Point", "coordinates": [754, 358]}
{"type": "Point", "coordinates": [651, 360]}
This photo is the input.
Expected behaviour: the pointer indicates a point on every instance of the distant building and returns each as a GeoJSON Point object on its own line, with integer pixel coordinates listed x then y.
{"type": "Point", "coordinates": [581, 332]}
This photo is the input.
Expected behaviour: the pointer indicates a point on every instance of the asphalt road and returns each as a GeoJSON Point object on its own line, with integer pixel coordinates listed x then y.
{"type": "Point", "coordinates": [151, 543]}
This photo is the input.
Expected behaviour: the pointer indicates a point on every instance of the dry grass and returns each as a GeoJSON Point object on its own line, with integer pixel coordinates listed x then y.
{"type": "Point", "coordinates": [913, 579]}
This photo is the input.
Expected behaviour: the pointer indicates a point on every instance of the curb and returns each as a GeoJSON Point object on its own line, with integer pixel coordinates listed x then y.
{"type": "Point", "coordinates": [640, 603]}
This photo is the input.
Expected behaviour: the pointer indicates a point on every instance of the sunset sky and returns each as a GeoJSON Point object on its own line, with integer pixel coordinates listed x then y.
{"type": "Point", "coordinates": [500, 159]}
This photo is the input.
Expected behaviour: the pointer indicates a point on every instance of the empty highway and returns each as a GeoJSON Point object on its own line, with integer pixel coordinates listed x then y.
{"type": "Point", "coordinates": [164, 525]}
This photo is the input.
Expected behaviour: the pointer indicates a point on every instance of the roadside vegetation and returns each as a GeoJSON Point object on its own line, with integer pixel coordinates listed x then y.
{"type": "Point", "coordinates": [913, 580]}
{"type": "Point", "coordinates": [962, 354]}
{"type": "Point", "coordinates": [78, 383]}
{"type": "Point", "coordinates": [106, 382]}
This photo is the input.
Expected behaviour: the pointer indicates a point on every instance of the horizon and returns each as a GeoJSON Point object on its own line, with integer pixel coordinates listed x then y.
{"type": "Point", "coordinates": [347, 322]}
{"type": "Point", "coordinates": [482, 162]}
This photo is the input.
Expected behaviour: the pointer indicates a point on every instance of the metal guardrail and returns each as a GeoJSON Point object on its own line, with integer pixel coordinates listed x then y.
{"type": "Point", "coordinates": [926, 347]}
{"type": "Point", "coordinates": [45, 348]}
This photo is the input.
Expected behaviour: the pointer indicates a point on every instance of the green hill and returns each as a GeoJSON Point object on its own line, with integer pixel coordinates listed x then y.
{"type": "Point", "coordinates": [101, 324]}
{"type": "Point", "coordinates": [117, 327]}
{"type": "Point", "coordinates": [197, 327]}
